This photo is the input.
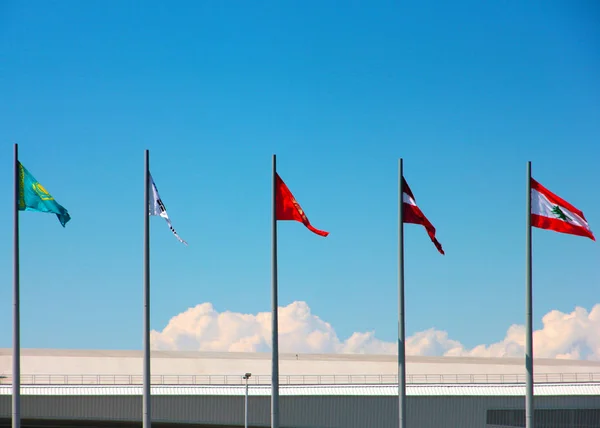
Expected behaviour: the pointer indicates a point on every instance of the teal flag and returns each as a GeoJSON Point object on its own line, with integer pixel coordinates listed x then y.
{"type": "Point", "coordinates": [33, 197]}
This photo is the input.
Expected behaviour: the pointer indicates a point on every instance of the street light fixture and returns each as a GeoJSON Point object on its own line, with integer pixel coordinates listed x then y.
{"type": "Point", "coordinates": [246, 377]}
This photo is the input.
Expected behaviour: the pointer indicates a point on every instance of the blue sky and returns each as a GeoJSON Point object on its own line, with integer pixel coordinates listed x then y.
{"type": "Point", "coordinates": [466, 92]}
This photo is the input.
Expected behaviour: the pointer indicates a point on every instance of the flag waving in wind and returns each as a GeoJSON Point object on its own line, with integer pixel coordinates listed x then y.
{"type": "Point", "coordinates": [288, 209]}
{"type": "Point", "coordinates": [158, 208]}
{"type": "Point", "coordinates": [548, 211]}
{"type": "Point", "coordinates": [413, 214]}
{"type": "Point", "coordinates": [34, 197]}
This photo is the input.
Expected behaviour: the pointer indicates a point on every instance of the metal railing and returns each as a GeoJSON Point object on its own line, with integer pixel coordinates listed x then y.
{"type": "Point", "coordinates": [415, 379]}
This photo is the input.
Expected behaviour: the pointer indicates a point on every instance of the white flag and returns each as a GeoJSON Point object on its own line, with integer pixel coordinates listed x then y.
{"type": "Point", "coordinates": [158, 208]}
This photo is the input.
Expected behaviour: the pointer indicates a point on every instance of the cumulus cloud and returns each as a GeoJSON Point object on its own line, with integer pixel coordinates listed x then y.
{"type": "Point", "coordinates": [201, 328]}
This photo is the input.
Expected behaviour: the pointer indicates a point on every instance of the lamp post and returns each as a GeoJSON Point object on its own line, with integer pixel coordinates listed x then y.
{"type": "Point", "coordinates": [246, 377]}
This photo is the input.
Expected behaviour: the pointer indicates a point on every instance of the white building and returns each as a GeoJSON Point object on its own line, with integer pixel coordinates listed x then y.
{"type": "Point", "coordinates": [342, 390]}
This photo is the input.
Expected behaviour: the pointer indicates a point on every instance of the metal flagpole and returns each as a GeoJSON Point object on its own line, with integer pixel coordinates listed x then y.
{"type": "Point", "coordinates": [16, 355]}
{"type": "Point", "coordinates": [529, 408]}
{"type": "Point", "coordinates": [147, 415]}
{"type": "Point", "coordinates": [274, 315]}
{"type": "Point", "coordinates": [401, 332]}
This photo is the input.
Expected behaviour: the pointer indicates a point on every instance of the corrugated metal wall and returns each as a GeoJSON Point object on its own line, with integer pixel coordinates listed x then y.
{"type": "Point", "coordinates": [297, 412]}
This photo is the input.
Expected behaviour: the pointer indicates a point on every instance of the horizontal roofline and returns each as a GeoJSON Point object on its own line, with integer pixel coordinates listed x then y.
{"type": "Point", "coordinates": [42, 352]}
{"type": "Point", "coordinates": [589, 389]}
{"type": "Point", "coordinates": [300, 379]}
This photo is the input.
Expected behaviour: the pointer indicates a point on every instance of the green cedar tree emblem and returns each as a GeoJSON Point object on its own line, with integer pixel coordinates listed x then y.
{"type": "Point", "coordinates": [560, 214]}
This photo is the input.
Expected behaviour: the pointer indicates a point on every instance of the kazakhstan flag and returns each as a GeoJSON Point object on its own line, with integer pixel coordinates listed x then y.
{"type": "Point", "coordinates": [33, 197]}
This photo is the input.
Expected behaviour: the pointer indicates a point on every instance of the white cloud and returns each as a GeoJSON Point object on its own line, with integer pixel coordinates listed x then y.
{"type": "Point", "coordinates": [563, 335]}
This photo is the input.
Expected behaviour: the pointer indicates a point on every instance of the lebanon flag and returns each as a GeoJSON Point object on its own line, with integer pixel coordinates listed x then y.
{"type": "Point", "coordinates": [551, 212]}
{"type": "Point", "coordinates": [286, 207]}
{"type": "Point", "coordinates": [413, 214]}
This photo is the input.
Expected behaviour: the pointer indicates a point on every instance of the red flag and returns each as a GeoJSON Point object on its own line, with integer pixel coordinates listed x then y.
{"type": "Point", "coordinates": [413, 214]}
{"type": "Point", "coordinates": [287, 208]}
{"type": "Point", "coordinates": [549, 211]}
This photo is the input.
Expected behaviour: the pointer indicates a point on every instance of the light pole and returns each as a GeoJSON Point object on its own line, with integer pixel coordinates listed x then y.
{"type": "Point", "coordinates": [246, 377]}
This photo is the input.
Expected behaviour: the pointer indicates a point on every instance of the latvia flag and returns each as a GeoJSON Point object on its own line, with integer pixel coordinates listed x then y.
{"type": "Point", "coordinates": [551, 212]}
{"type": "Point", "coordinates": [413, 214]}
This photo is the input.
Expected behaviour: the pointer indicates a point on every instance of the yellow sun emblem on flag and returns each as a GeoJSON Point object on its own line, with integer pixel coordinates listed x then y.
{"type": "Point", "coordinates": [300, 210]}
{"type": "Point", "coordinates": [42, 192]}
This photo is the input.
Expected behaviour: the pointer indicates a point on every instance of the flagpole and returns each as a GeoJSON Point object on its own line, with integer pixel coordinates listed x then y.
{"type": "Point", "coordinates": [529, 407]}
{"type": "Point", "coordinates": [274, 315]}
{"type": "Point", "coordinates": [401, 332]}
{"type": "Point", "coordinates": [16, 355]}
{"type": "Point", "coordinates": [147, 413]}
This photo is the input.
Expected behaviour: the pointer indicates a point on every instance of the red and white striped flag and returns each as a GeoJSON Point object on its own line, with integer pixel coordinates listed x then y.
{"type": "Point", "coordinates": [413, 214]}
{"type": "Point", "coordinates": [548, 211]}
